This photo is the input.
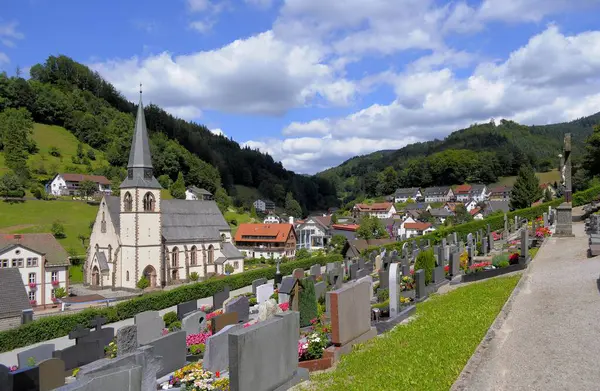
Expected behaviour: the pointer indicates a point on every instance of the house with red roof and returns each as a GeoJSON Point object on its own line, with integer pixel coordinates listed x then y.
{"type": "Point", "coordinates": [381, 210]}
{"type": "Point", "coordinates": [66, 184]}
{"type": "Point", "coordinates": [417, 229]}
{"type": "Point", "coordinates": [266, 240]}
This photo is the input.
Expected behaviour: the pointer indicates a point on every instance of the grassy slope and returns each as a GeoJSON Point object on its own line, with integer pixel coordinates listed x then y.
{"type": "Point", "coordinates": [545, 177]}
{"type": "Point", "coordinates": [240, 218]}
{"type": "Point", "coordinates": [428, 353]}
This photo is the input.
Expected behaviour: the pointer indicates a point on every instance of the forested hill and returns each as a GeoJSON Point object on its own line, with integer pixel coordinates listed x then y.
{"type": "Point", "coordinates": [66, 93]}
{"type": "Point", "coordinates": [478, 154]}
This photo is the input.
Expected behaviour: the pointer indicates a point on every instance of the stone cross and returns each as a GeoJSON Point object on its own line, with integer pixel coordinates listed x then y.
{"type": "Point", "coordinates": [79, 332]}
{"type": "Point", "coordinates": [97, 322]}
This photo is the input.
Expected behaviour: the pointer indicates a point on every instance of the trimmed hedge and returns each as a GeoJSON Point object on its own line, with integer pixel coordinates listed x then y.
{"type": "Point", "coordinates": [586, 196]}
{"type": "Point", "coordinates": [51, 327]}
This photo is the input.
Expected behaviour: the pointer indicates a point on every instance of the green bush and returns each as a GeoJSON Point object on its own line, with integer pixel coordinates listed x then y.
{"type": "Point", "coordinates": [384, 306]}
{"type": "Point", "coordinates": [229, 269]}
{"type": "Point", "coordinates": [170, 318]}
{"type": "Point", "coordinates": [426, 261]}
{"type": "Point", "coordinates": [60, 325]}
{"type": "Point", "coordinates": [194, 276]}
{"type": "Point", "coordinates": [383, 295]}
{"type": "Point", "coordinates": [175, 326]}
{"type": "Point", "coordinates": [586, 196]}
{"type": "Point", "coordinates": [307, 303]}
{"type": "Point", "coordinates": [143, 283]}
{"type": "Point", "coordinates": [252, 301]}
{"type": "Point", "coordinates": [498, 259]}
{"type": "Point", "coordinates": [197, 349]}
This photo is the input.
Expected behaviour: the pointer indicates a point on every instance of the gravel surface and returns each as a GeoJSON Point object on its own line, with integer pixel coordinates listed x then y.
{"type": "Point", "coordinates": [550, 339]}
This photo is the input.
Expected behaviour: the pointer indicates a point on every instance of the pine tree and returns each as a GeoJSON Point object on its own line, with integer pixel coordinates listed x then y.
{"type": "Point", "coordinates": [526, 189]}
{"type": "Point", "coordinates": [307, 302]}
{"type": "Point", "coordinates": [547, 195]}
{"type": "Point", "coordinates": [292, 207]}
{"type": "Point", "coordinates": [177, 189]}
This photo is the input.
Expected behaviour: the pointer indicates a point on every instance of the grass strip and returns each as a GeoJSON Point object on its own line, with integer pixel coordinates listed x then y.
{"type": "Point", "coordinates": [428, 353]}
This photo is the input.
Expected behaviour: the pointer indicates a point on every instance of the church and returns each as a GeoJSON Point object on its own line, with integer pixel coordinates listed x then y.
{"type": "Point", "coordinates": [138, 234]}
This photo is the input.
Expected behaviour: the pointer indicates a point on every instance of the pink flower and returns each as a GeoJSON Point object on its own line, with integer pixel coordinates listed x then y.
{"type": "Point", "coordinates": [165, 331]}
{"type": "Point", "coordinates": [195, 339]}
{"type": "Point", "coordinates": [247, 325]}
{"type": "Point", "coordinates": [284, 306]}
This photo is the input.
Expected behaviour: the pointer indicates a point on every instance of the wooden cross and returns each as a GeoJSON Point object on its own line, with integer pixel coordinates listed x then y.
{"type": "Point", "coordinates": [98, 322]}
{"type": "Point", "coordinates": [79, 332]}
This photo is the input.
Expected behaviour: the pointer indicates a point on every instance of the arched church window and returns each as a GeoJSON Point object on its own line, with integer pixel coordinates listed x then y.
{"type": "Point", "coordinates": [193, 256]}
{"type": "Point", "coordinates": [127, 276]}
{"type": "Point", "coordinates": [211, 254]}
{"type": "Point", "coordinates": [103, 224]}
{"type": "Point", "coordinates": [149, 202]}
{"type": "Point", "coordinates": [128, 202]}
{"type": "Point", "coordinates": [175, 257]}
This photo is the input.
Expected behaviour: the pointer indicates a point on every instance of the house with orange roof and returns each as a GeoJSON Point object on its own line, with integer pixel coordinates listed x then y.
{"type": "Point", "coordinates": [462, 192]}
{"type": "Point", "coordinates": [266, 240]}
{"type": "Point", "coordinates": [417, 229]}
{"type": "Point", "coordinates": [381, 210]}
{"type": "Point", "coordinates": [68, 184]}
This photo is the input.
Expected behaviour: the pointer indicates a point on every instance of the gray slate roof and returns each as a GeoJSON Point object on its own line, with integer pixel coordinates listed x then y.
{"type": "Point", "coordinates": [42, 243]}
{"type": "Point", "coordinates": [199, 191]}
{"type": "Point", "coordinates": [230, 251]}
{"type": "Point", "coordinates": [434, 191]}
{"type": "Point", "coordinates": [102, 261]}
{"type": "Point", "coordinates": [406, 192]}
{"type": "Point", "coordinates": [182, 220]}
{"type": "Point", "coordinates": [493, 206]}
{"type": "Point", "coordinates": [14, 297]}
{"type": "Point", "coordinates": [440, 212]}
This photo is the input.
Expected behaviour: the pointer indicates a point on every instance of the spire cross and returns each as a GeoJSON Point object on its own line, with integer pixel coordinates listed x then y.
{"type": "Point", "coordinates": [140, 88]}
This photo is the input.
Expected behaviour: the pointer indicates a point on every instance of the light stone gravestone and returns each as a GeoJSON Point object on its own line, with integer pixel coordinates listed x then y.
{"type": "Point", "coordinates": [393, 287]}
{"type": "Point", "coordinates": [315, 271]}
{"type": "Point", "coordinates": [524, 245]}
{"type": "Point", "coordinates": [378, 262]}
{"type": "Point", "coordinates": [38, 353]}
{"type": "Point", "coordinates": [258, 282]}
{"type": "Point", "coordinates": [127, 341]}
{"type": "Point", "coordinates": [275, 343]}
{"type": "Point", "coordinates": [353, 271]}
{"type": "Point", "coordinates": [320, 289]}
{"type": "Point", "coordinates": [298, 273]}
{"type": "Point", "coordinates": [194, 323]}
{"type": "Point", "coordinates": [484, 246]}
{"type": "Point", "coordinates": [172, 348]}
{"type": "Point", "coordinates": [216, 355]}
{"type": "Point", "coordinates": [149, 326]}
{"type": "Point", "coordinates": [454, 264]}
{"type": "Point", "coordinates": [263, 293]}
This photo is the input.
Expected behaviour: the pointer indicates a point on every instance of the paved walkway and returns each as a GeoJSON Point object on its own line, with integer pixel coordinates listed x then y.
{"type": "Point", "coordinates": [550, 339]}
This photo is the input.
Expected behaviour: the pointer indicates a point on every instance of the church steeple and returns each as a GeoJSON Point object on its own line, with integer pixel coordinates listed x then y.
{"type": "Point", "coordinates": [139, 168]}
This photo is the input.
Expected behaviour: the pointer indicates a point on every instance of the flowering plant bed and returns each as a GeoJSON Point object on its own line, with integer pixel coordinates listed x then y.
{"type": "Point", "coordinates": [312, 348]}
{"type": "Point", "coordinates": [542, 232]}
{"type": "Point", "coordinates": [193, 378]}
{"type": "Point", "coordinates": [489, 273]}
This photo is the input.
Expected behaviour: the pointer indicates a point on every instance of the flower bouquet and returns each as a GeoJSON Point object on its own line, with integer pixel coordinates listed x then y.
{"type": "Point", "coordinates": [193, 378]}
{"type": "Point", "coordinates": [480, 266]}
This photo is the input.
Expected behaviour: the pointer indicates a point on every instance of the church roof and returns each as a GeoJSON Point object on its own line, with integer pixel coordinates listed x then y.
{"type": "Point", "coordinates": [230, 251]}
{"type": "Point", "coordinates": [14, 297]}
{"type": "Point", "coordinates": [114, 209]}
{"type": "Point", "coordinates": [102, 260]}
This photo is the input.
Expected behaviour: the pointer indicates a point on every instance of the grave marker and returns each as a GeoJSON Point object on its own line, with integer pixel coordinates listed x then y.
{"type": "Point", "coordinates": [264, 292]}
{"type": "Point", "coordinates": [51, 374]}
{"type": "Point", "coordinates": [38, 353]}
{"type": "Point", "coordinates": [220, 297]}
{"type": "Point", "coordinates": [420, 293]}
{"type": "Point", "coordinates": [240, 306]}
{"type": "Point", "coordinates": [216, 355]}
{"type": "Point", "coordinates": [127, 340]}
{"type": "Point", "coordinates": [194, 323]}
{"type": "Point", "coordinates": [258, 282]}
{"type": "Point", "coordinates": [173, 349]}
{"type": "Point", "coordinates": [150, 326]}
{"type": "Point", "coordinates": [185, 308]}
{"type": "Point", "coordinates": [393, 287]}
{"type": "Point", "coordinates": [220, 321]}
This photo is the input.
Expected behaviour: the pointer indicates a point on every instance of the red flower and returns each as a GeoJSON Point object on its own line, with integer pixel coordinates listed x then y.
{"type": "Point", "coordinates": [217, 374]}
{"type": "Point", "coordinates": [447, 268]}
{"type": "Point", "coordinates": [284, 306]}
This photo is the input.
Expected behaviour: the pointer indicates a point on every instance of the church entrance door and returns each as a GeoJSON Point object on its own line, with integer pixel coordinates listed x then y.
{"type": "Point", "coordinates": [150, 275]}
{"type": "Point", "coordinates": [95, 276]}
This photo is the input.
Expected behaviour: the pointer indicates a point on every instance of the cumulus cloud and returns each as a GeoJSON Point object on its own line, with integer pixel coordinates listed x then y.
{"type": "Point", "coordinates": [553, 78]}
{"type": "Point", "coordinates": [257, 75]}
{"type": "Point", "coordinates": [9, 33]}
{"type": "Point", "coordinates": [218, 132]}
{"type": "Point", "coordinates": [264, 4]}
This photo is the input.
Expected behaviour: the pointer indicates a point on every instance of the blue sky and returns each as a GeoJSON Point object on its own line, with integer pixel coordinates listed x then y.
{"type": "Point", "coordinates": [316, 84]}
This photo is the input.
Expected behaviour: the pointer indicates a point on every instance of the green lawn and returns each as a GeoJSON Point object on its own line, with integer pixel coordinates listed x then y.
{"type": "Point", "coordinates": [75, 274]}
{"type": "Point", "coordinates": [428, 353]}
{"type": "Point", "coordinates": [545, 177]}
{"type": "Point", "coordinates": [37, 216]}
{"type": "Point", "coordinates": [240, 218]}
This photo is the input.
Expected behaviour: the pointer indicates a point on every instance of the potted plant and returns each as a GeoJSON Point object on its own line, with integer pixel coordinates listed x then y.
{"type": "Point", "coordinates": [32, 302]}
{"type": "Point", "coordinates": [55, 282]}
{"type": "Point", "coordinates": [32, 285]}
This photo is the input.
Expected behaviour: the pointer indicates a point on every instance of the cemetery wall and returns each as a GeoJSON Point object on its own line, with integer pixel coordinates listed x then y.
{"type": "Point", "coordinates": [60, 325]}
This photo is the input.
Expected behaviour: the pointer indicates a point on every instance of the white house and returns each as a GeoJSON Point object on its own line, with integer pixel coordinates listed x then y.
{"type": "Point", "coordinates": [264, 206]}
{"type": "Point", "coordinates": [272, 219]}
{"type": "Point", "coordinates": [313, 233]}
{"type": "Point", "coordinates": [401, 232]}
{"type": "Point", "coordinates": [478, 193]}
{"type": "Point", "coordinates": [381, 210]}
{"type": "Point", "coordinates": [418, 229]}
{"type": "Point", "coordinates": [139, 234]}
{"type": "Point", "coordinates": [438, 194]}
{"type": "Point", "coordinates": [42, 262]}
{"type": "Point", "coordinates": [470, 205]}
{"type": "Point", "coordinates": [193, 193]}
{"type": "Point", "coordinates": [68, 184]}
{"type": "Point", "coordinates": [404, 194]}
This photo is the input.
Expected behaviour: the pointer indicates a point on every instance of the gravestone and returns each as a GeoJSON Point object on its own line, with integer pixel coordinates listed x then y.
{"type": "Point", "coordinates": [150, 326]}
{"type": "Point", "coordinates": [275, 343]}
{"type": "Point", "coordinates": [450, 238]}
{"type": "Point", "coordinates": [172, 347]}
{"type": "Point", "coordinates": [320, 289]}
{"type": "Point", "coordinates": [490, 242]}
{"type": "Point", "coordinates": [51, 374]}
{"type": "Point", "coordinates": [298, 273]}
{"type": "Point", "coordinates": [220, 297]}
{"type": "Point", "coordinates": [378, 262]}
{"type": "Point", "coordinates": [27, 379]}
{"type": "Point", "coordinates": [420, 293]}
{"type": "Point", "coordinates": [216, 355]}
{"type": "Point", "coordinates": [484, 246]}
{"type": "Point", "coordinates": [240, 306]}
{"type": "Point", "coordinates": [545, 218]}
{"type": "Point", "coordinates": [350, 309]}
{"type": "Point", "coordinates": [369, 266]}
{"type": "Point", "coordinates": [81, 353]}
{"type": "Point", "coordinates": [119, 378]}
{"type": "Point", "coordinates": [264, 292]}
{"type": "Point", "coordinates": [220, 321]}
{"type": "Point", "coordinates": [454, 264]}
{"type": "Point", "coordinates": [329, 266]}
{"type": "Point", "coordinates": [471, 253]}
{"type": "Point", "coordinates": [393, 287]}
{"type": "Point", "coordinates": [185, 308]}
{"type": "Point", "coordinates": [354, 271]}
{"type": "Point", "coordinates": [194, 323]}
{"type": "Point", "coordinates": [361, 263]}
{"type": "Point", "coordinates": [127, 340]}
{"type": "Point", "coordinates": [385, 263]}
{"type": "Point", "coordinates": [524, 246]}
{"type": "Point", "coordinates": [6, 379]}
{"type": "Point", "coordinates": [362, 273]}
{"type": "Point", "coordinates": [258, 282]}
{"type": "Point", "coordinates": [315, 272]}
{"type": "Point", "coordinates": [470, 239]}
{"type": "Point", "coordinates": [38, 353]}
{"type": "Point", "coordinates": [384, 279]}
{"type": "Point", "coordinates": [404, 250]}
{"type": "Point", "coordinates": [104, 335]}
{"type": "Point", "coordinates": [454, 237]}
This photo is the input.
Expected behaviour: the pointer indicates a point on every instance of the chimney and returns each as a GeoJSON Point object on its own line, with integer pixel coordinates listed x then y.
{"type": "Point", "coordinates": [291, 220]}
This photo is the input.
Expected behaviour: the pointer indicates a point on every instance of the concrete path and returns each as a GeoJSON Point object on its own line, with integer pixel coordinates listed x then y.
{"type": "Point", "coordinates": [550, 339]}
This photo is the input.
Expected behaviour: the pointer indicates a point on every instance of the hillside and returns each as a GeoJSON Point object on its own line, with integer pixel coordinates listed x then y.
{"type": "Point", "coordinates": [65, 93]}
{"type": "Point", "coordinates": [481, 153]}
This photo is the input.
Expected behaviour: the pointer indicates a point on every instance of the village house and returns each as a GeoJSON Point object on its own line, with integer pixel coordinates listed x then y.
{"type": "Point", "coordinates": [273, 241]}
{"type": "Point", "coordinates": [346, 230]}
{"type": "Point", "coordinates": [406, 193]}
{"type": "Point", "coordinates": [417, 229]}
{"type": "Point", "coordinates": [438, 194]}
{"type": "Point", "coordinates": [272, 218]}
{"type": "Point", "coordinates": [313, 233]}
{"type": "Point", "coordinates": [14, 299]}
{"type": "Point", "coordinates": [381, 210]}
{"type": "Point", "coordinates": [440, 214]}
{"type": "Point", "coordinates": [354, 248]}
{"type": "Point", "coordinates": [193, 193]}
{"type": "Point", "coordinates": [140, 235]}
{"type": "Point", "coordinates": [400, 227]}
{"type": "Point", "coordinates": [41, 261]}
{"type": "Point", "coordinates": [500, 193]}
{"type": "Point", "coordinates": [462, 192]}
{"type": "Point", "coordinates": [478, 193]}
{"type": "Point", "coordinates": [68, 184]}
{"type": "Point", "coordinates": [264, 206]}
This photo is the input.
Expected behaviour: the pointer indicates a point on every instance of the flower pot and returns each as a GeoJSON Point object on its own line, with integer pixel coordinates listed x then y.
{"type": "Point", "coordinates": [319, 364]}
{"type": "Point", "coordinates": [55, 283]}
{"type": "Point", "coordinates": [32, 285]}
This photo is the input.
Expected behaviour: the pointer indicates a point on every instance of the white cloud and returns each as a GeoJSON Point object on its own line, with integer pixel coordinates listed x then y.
{"type": "Point", "coordinates": [9, 33]}
{"type": "Point", "coordinates": [209, 9]}
{"type": "Point", "coordinates": [4, 58]}
{"type": "Point", "coordinates": [264, 4]}
{"type": "Point", "coordinates": [202, 26]}
{"type": "Point", "coordinates": [218, 132]}
{"type": "Point", "coordinates": [260, 75]}
{"type": "Point", "coordinates": [552, 78]}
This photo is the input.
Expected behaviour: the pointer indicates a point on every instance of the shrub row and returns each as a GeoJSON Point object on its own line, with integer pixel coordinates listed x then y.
{"type": "Point", "coordinates": [586, 196]}
{"type": "Point", "coordinates": [60, 325]}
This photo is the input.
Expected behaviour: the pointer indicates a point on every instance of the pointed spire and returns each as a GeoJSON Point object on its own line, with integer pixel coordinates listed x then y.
{"type": "Point", "coordinates": [139, 166]}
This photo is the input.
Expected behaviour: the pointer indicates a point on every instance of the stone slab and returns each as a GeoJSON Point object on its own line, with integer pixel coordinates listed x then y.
{"type": "Point", "coordinates": [240, 306]}
{"type": "Point", "coordinates": [38, 353]}
{"type": "Point", "coordinates": [350, 309]}
{"type": "Point", "coordinates": [256, 283]}
{"type": "Point", "coordinates": [150, 326]}
{"type": "Point", "coordinates": [220, 297]}
{"type": "Point", "coordinates": [220, 321]}
{"type": "Point", "coordinates": [127, 340]}
{"type": "Point", "coordinates": [264, 292]}
{"type": "Point", "coordinates": [216, 355]}
{"type": "Point", "coordinates": [194, 323]}
{"type": "Point", "coordinates": [52, 374]}
{"type": "Point", "coordinates": [185, 308]}
{"type": "Point", "coordinates": [173, 349]}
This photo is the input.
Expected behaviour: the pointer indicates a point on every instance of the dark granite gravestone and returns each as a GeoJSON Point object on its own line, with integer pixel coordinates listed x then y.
{"type": "Point", "coordinates": [454, 264]}
{"type": "Point", "coordinates": [38, 353]}
{"type": "Point", "coordinates": [361, 263]}
{"type": "Point", "coordinates": [127, 340]}
{"type": "Point", "coordinates": [384, 277]}
{"type": "Point", "coordinates": [524, 246]}
{"type": "Point", "coordinates": [172, 348]}
{"type": "Point", "coordinates": [240, 306]}
{"type": "Point", "coordinates": [287, 285]}
{"type": "Point", "coordinates": [27, 379]}
{"type": "Point", "coordinates": [185, 308]}
{"type": "Point", "coordinates": [220, 297]}
{"type": "Point", "coordinates": [258, 282]}
{"type": "Point", "coordinates": [51, 374]}
{"type": "Point", "coordinates": [6, 379]}
{"type": "Point", "coordinates": [220, 321]}
{"type": "Point", "coordinates": [194, 323]}
{"type": "Point", "coordinates": [420, 293]}
{"type": "Point", "coordinates": [438, 275]}
{"type": "Point", "coordinates": [385, 263]}
{"type": "Point", "coordinates": [490, 242]}
{"type": "Point", "coordinates": [81, 353]}
{"type": "Point", "coordinates": [354, 271]}
{"type": "Point", "coordinates": [150, 326]}
{"type": "Point", "coordinates": [104, 335]}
